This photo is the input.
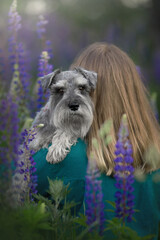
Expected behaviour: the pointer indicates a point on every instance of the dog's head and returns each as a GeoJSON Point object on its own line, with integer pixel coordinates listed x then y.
{"type": "Point", "coordinates": [70, 103]}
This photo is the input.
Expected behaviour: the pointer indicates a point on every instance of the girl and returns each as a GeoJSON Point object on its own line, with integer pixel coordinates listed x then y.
{"type": "Point", "coordinates": [119, 90]}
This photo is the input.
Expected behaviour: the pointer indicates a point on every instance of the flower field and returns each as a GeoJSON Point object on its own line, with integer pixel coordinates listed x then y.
{"type": "Point", "coordinates": [38, 218]}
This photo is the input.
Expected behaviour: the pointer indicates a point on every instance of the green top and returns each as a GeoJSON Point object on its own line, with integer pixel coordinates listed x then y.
{"type": "Point", "coordinates": [73, 170]}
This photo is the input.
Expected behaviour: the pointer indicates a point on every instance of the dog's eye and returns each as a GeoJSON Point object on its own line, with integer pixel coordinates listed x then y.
{"type": "Point", "coordinates": [81, 88]}
{"type": "Point", "coordinates": [60, 90]}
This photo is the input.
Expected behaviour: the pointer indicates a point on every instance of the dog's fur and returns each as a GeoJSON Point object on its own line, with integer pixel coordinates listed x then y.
{"type": "Point", "coordinates": [67, 115]}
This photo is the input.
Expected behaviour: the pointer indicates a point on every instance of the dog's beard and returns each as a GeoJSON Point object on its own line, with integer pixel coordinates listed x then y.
{"type": "Point", "coordinates": [70, 125]}
{"type": "Point", "coordinates": [74, 123]}
{"type": "Point", "coordinates": [66, 135]}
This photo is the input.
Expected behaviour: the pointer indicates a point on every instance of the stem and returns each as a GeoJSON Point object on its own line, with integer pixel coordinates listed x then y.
{"type": "Point", "coordinates": [27, 167]}
{"type": "Point", "coordinates": [124, 201]}
{"type": "Point", "coordinates": [124, 191]}
{"type": "Point", "coordinates": [27, 155]}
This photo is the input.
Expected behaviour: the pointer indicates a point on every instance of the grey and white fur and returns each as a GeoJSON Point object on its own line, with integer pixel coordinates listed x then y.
{"type": "Point", "coordinates": [68, 114]}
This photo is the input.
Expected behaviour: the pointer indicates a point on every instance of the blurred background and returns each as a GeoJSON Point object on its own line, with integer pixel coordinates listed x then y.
{"type": "Point", "coordinates": [133, 25]}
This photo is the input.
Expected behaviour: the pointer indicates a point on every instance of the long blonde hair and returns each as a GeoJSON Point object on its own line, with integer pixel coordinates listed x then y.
{"type": "Point", "coordinates": [119, 90]}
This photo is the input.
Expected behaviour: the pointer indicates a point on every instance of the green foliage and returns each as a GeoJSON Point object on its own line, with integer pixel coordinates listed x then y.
{"type": "Point", "coordinates": [24, 223]}
{"type": "Point", "coordinates": [121, 231]}
{"type": "Point", "coordinates": [62, 214]}
{"type": "Point", "coordinates": [54, 218]}
{"type": "Point", "coordinates": [151, 157]}
{"type": "Point", "coordinates": [105, 131]}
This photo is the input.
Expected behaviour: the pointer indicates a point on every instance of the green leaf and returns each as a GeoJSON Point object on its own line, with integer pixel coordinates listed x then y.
{"type": "Point", "coordinates": [58, 190]}
{"type": "Point", "coordinates": [109, 210]}
{"type": "Point", "coordinates": [108, 139]}
{"type": "Point", "coordinates": [87, 230]}
{"type": "Point", "coordinates": [111, 203]}
{"type": "Point", "coordinates": [95, 143]}
{"type": "Point", "coordinates": [81, 220]}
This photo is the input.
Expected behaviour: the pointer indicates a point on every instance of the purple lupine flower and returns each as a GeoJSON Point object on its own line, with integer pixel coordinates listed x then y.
{"type": "Point", "coordinates": [9, 136]}
{"type": "Point", "coordinates": [14, 26]}
{"type": "Point", "coordinates": [24, 76]}
{"type": "Point", "coordinates": [44, 66]}
{"type": "Point", "coordinates": [14, 17]}
{"type": "Point", "coordinates": [41, 30]}
{"type": "Point", "coordinates": [94, 198]}
{"type": "Point", "coordinates": [17, 55]}
{"type": "Point", "coordinates": [156, 65]}
{"type": "Point", "coordinates": [27, 166]}
{"type": "Point", "coordinates": [44, 69]}
{"type": "Point", "coordinates": [9, 127]}
{"type": "Point", "coordinates": [48, 48]}
{"type": "Point", "coordinates": [124, 174]}
{"type": "Point", "coordinates": [1, 66]}
{"type": "Point", "coordinates": [138, 68]}
{"type": "Point", "coordinates": [153, 101]}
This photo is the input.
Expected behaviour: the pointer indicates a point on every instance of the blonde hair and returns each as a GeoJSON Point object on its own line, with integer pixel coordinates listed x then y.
{"type": "Point", "coordinates": [119, 90]}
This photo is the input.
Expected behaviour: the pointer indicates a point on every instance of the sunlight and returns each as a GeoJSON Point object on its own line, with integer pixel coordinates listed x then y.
{"type": "Point", "coordinates": [36, 7]}
{"type": "Point", "coordinates": [134, 3]}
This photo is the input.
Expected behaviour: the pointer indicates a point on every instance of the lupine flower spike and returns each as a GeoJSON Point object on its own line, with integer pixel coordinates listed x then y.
{"type": "Point", "coordinates": [8, 139]}
{"type": "Point", "coordinates": [94, 198]}
{"type": "Point", "coordinates": [14, 26]}
{"type": "Point", "coordinates": [2, 67]}
{"type": "Point", "coordinates": [44, 69]}
{"type": "Point", "coordinates": [124, 174]}
{"type": "Point", "coordinates": [41, 30]}
{"type": "Point", "coordinates": [27, 164]}
{"type": "Point", "coordinates": [20, 80]}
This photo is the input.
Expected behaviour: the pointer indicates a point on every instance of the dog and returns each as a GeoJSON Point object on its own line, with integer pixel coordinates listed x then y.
{"type": "Point", "coordinates": [68, 114]}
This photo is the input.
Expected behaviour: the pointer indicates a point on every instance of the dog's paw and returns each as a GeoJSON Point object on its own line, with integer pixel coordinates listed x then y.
{"type": "Point", "coordinates": [61, 145]}
{"type": "Point", "coordinates": [55, 155]}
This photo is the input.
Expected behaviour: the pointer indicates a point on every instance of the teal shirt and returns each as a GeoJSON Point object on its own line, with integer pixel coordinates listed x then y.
{"type": "Point", "coordinates": [73, 170]}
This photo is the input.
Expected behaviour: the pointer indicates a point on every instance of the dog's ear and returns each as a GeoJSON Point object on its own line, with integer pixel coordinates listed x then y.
{"type": "Point", "coordinates": [89, 75]}
{"type": "Point", "coordinates": [48, 80]}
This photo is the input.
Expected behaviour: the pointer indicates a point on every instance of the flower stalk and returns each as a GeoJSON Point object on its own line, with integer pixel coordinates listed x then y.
{"type": "Point", "coordinates": [20, 78]}
{"type": "Point", "coordinates": [94, 198]}
{"type": "Point", "coordinates": [124, 174]}
{"type": "Point", "coordinates": [27, 165]}
{"type": "Point", "coordinates": [44, 67]}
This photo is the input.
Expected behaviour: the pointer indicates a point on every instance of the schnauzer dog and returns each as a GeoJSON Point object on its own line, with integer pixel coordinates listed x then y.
{"type": "Point", "coordinates": [68, 114]}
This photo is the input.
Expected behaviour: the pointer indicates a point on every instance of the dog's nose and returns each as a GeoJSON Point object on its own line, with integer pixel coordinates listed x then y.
{"type": "Point", "coordinates": [73, 107]}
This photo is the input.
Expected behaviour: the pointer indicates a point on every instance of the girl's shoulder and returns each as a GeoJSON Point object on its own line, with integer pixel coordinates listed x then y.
{"type": "Point", "coordinates": [73, 166]}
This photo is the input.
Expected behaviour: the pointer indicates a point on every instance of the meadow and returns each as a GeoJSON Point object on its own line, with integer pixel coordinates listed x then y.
{"type": "Point", "coordinates": [21, 96]}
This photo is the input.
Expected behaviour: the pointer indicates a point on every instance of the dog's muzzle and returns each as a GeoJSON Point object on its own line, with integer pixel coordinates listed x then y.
{"type": "Point", "coordinates": [73, 106]}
